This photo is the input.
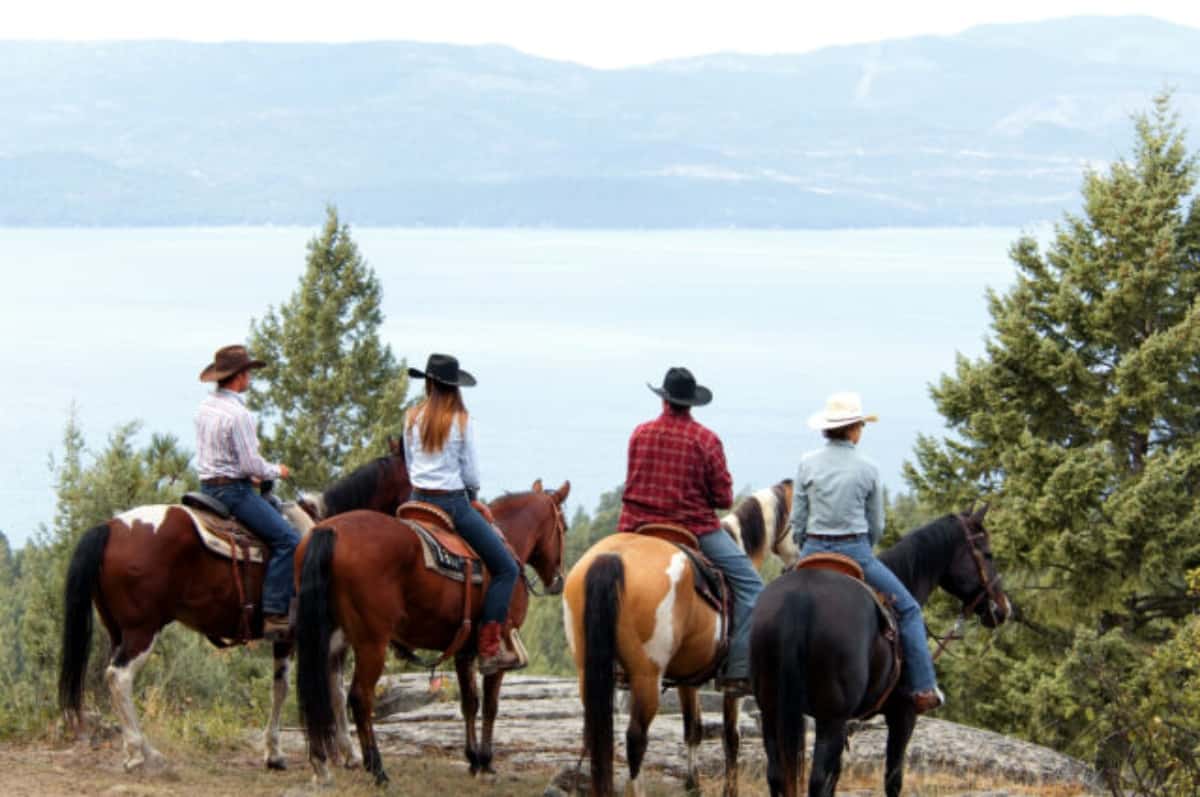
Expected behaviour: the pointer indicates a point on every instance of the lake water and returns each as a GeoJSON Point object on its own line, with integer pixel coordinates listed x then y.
{"type": "Point", "coordinates": [563, 329]}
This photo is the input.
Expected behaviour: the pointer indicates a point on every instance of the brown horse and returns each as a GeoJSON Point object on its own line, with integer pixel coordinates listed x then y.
{"type": "Point", "coordinates": [364, 586]}
{"type": "Point", "coordinates": [630, 600]}
{"type": "Point", "coordinates": [147, 567]}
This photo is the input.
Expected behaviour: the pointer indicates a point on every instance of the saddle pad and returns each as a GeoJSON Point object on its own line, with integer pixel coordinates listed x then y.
{"type": "Point", "coordinates": [445, 552]}
{"type": "Point", "coordinates": [216, 533]}
{"type": "Point", "coordinates": [837, 562]}
{"type": "Point", "coordinates": [669, 532]}
{"type": "Point", "coordinates": [426, 514]}
{"type": "Point", "coordinates": [212, 530]}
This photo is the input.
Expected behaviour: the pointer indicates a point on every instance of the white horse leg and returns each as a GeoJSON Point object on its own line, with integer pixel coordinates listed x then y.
{"type": "Point", "coordinates": [351, 759]}
{"type": "Point", "coordinates": [273, 756]}
{"type": "Point", "coordinates": [120, 678]}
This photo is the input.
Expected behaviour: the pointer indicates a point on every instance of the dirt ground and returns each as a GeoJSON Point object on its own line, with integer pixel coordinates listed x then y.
{"type": "Point", "coordinates": [82, 769]}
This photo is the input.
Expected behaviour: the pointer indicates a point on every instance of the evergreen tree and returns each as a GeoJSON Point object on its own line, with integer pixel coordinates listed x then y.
{"type": "Point", "coordinates": [333, 392]}
{"type": "Point", "coordinates": [1080, 424]}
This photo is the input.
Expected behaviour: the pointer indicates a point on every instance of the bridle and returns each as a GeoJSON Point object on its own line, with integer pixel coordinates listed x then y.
{"type": "Point", "coordinates": [990, 589]}
{"type": "Point", "coordinates": [560, 528]}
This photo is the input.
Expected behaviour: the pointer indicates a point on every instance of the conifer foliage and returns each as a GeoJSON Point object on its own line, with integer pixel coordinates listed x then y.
{"type": "Point", "coordinates": [333, 391]}
{"type": "Point", "coordinates": [1080, 424]}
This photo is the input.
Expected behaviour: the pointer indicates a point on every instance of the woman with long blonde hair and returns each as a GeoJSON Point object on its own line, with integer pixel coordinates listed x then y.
{"type": "Point", "coordinates": [439, 445]}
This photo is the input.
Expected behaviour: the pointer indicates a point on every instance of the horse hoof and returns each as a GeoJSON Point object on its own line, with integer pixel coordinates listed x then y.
{"type": "Point", "coordinates": [691, 785]}
{"type": "Point", "coordinates": [277, 764]}
{"type": "Point", "coordinates": [381, 778]}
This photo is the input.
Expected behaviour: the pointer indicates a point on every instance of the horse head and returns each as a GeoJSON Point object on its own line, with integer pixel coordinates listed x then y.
{"type": "Point", "coordinates": [539, 535]}
{"type": "Point", "coordinates": [548, 554]}
{"type": "Point", "coordinates": [972, 577]}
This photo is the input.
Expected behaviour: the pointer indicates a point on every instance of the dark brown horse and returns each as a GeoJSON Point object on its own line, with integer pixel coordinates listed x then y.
{"type": "Point", "coordinates": [816, 649]}
{"type": "Point", "coordinates": [147, 567]}
{"type": "Point", "coordinates": [364, 587]}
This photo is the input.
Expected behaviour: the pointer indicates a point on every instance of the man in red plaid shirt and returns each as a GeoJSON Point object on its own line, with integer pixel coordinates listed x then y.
{"type": "Point", "coordinates": [677, 474]}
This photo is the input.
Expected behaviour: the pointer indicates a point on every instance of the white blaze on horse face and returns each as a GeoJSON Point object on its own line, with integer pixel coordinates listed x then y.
{"type": "Point", "coordinates": [151, 515]}
{"type": "Point", "coordinates": [661, 645]}
{"type": "Point", "coordinates": [569, 626]}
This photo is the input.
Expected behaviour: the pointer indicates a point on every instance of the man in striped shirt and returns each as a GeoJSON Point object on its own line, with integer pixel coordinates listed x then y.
{"type": "Point", "coordinates": [229, 464]}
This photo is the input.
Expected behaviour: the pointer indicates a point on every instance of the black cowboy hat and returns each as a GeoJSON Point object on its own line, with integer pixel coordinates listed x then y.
{"type": "Point", "coordinates": [679, 387]}
{"type": "Point", "coordinates": [444, 368]}
{"type": "Point", "coordinates": [228, 361]}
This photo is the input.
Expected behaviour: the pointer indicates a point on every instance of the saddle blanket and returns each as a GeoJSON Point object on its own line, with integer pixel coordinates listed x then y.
{"type": "Point", "coordinates": [213, 531]}
{"type": "Point", "coordinates": [438, 556]}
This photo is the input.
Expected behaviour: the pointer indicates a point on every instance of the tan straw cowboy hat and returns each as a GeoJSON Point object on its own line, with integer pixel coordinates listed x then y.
{"type": "Point", "coordinates": [228, 361]}
{"type": "Point", "coordinates": [841, 409]}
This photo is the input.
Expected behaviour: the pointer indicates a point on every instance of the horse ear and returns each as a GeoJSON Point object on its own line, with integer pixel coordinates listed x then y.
{"type": "Point", "coordinates": [561, 493]}
{"type": "Point", "coordinates": [393, 445]}
{"type": "Point", "coordinates": [537, 486]}
{"type": "Point", "coordinates": [980, 512]}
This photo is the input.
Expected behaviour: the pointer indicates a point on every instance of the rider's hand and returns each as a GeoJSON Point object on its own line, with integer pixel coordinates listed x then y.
{"type": "Point", "coordinates": [284, 471]}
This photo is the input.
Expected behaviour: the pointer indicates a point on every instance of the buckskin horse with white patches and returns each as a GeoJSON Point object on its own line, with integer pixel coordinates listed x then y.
{"type": "Point", "coordinates": [366, 585]}
{"type": "Point", "coordinates": [631, 600]}
{"type": "Point", "coordinates": [821, 646]}
{"type": "Point", "coordinates": [148, 567]}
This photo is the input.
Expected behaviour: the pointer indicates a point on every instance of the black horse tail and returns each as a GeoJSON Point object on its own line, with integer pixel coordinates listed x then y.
{"type": "Point", "coordinates": [603, 586]}
{"type": "Point", "coordinates": [791, 690]}
{"type": "Point", "coordinates": [83, 576]}
{"type": "Point", "coordinates": [314, 627]}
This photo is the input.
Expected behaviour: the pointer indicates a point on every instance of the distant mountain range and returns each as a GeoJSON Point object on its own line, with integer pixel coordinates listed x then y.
{"type": "Point", "coordinates": [992, 126]}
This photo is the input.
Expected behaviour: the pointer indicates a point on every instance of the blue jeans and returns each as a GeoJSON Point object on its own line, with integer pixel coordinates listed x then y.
{"type": "Point", "coordinates": [243, 500]}
{"type": "Point", "coordinates": [502, 568]}
{"type": "Point", "coordinates": [918, 664]}
{"type": "Point", "coordinates": [746, 584]}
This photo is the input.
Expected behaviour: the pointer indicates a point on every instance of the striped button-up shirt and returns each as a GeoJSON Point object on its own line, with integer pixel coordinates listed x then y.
{"type": "Point", "coordinates": [837, 492]}
{"type": "Point", "coordinates": [226, 440]}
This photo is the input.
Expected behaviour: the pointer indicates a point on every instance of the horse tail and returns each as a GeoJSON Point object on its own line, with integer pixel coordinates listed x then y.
{"type": "Point", "coordinates": [603, 586]}
{"type": "Point", "coordinates": [791, 686]}
{"type": "Point", "coordinates": [83, 576]}
{"type": "Point", "coordinates": [314, 627]}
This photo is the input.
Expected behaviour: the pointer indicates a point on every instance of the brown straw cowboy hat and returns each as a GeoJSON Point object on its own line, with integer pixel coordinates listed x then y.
{"type": "Point", "coordinates": [229, 360]}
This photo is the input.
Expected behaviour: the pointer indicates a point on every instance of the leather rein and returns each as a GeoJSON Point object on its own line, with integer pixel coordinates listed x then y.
{"type": "Point", "coordinates": [989, 590]}
{"type": "Point", "coordinates": [560, 527]}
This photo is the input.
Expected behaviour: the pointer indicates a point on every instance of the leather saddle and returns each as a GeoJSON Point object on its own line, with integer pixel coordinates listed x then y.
{"type": "Point", "coordinates": [221, 532]}
{"type": "Point", "coordinates": [710, 587]}
{"type": "Point", "coordinates": [445, 551]}
{"type": "Point", "coordinates": [889, 627]}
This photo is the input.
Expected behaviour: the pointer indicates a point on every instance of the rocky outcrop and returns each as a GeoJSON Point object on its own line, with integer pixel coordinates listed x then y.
{"type": "Point", "coordinates": [541, 721]}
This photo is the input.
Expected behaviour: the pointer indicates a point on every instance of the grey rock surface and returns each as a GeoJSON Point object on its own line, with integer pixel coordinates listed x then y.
{"type": "Point", "coordinates": [541, 724]}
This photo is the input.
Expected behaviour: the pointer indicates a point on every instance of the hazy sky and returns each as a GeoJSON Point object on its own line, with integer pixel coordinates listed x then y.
{"type": "Point", "coordinates": [608, 33]}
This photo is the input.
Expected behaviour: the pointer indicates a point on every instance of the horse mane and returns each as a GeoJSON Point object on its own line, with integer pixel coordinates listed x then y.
{"type": "Point", "coordinates": [356, 489]}
{"type": "Point", "coordinates": [923, 551]}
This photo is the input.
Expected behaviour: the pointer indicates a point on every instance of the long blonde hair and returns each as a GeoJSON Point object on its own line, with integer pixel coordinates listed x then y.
{"type": "Point", "coordinates": [437, 412]}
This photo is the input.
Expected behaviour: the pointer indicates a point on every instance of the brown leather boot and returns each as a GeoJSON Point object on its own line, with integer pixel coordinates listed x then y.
{"type": "Point", "coordinates": [928, 700]}
{"type": "Point", "coordinates": [492, 657]}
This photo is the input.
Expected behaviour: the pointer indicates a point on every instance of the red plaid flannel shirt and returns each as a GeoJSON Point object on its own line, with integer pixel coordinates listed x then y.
{"type": "Point", "coordinates": [677, 474]}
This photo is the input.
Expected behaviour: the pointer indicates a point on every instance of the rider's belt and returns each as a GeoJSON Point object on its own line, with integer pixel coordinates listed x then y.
{"type": "Point", "coordinates": [221, 481]}
{"type": "Point", "coordinates": [428, 491]}
{"type": "Point", "coordinates": [836, 537]}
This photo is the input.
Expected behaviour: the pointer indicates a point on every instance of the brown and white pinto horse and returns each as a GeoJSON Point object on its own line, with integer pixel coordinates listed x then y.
{"type": "Point", "coordinates": [364, 587]}
{"type": "Point", "coordinates": [759, 524]}
{"type": "Point", "coordinates": [631, 600]}
{"type": "Point", "coordinates": [147, 567]}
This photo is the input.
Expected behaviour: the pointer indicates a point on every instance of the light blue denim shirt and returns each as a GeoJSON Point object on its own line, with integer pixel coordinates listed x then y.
{"type": "Point", "coordinates": [837, 492]}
